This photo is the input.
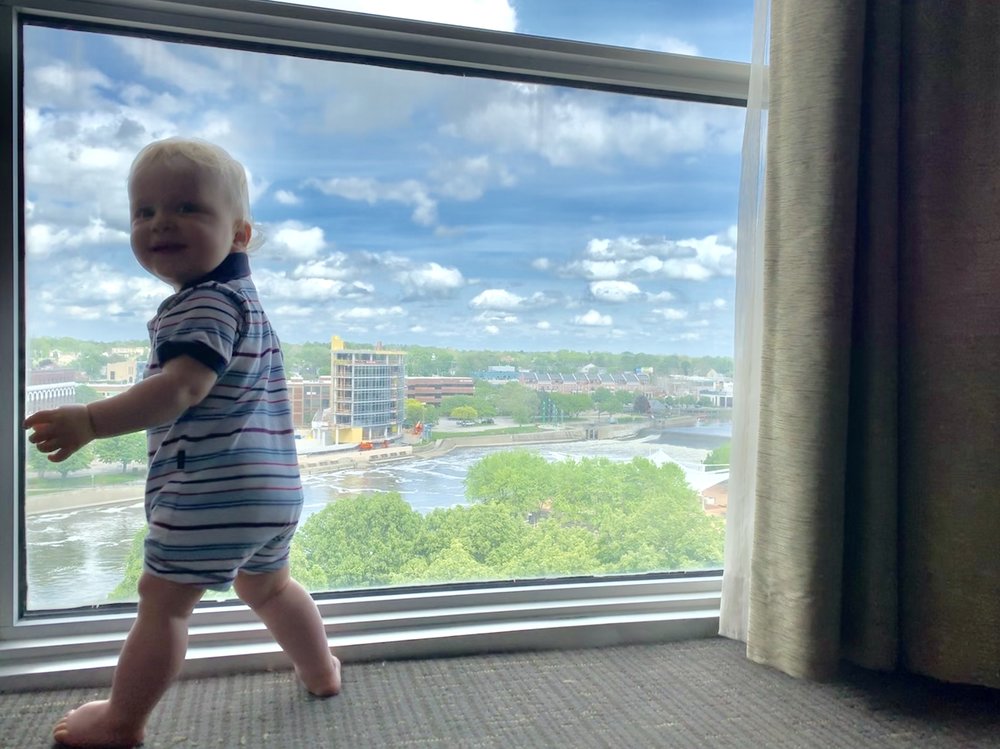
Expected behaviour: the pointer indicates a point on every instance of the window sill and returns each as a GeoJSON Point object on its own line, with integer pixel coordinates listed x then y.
{"type": "Point", "coordinates": [69, 652]}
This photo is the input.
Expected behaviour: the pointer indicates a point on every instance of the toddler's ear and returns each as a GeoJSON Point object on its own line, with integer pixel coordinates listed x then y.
{"type": "Point", "coordinates": [241, 236]}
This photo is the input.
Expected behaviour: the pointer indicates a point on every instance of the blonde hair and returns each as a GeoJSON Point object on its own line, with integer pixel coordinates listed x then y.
{"type": "Point", "coordinates": [207, 155]}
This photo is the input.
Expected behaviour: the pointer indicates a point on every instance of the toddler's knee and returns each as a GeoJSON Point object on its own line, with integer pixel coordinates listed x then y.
{"type": "Point", "coordinates": [256, 590]}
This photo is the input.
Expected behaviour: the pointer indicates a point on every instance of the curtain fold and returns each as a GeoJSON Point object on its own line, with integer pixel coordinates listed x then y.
{"type": "Point", "coordinates": [747, 329]}
{"type": "Point", "coordinates": [876, 510]}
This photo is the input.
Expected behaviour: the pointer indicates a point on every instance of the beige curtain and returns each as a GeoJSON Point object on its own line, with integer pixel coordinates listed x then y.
{"type": "Point", "coordinates": [876, 534]}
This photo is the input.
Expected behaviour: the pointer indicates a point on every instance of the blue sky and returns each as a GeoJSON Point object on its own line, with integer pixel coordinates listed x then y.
{"type": "Point", "coordinates": [406, 207]}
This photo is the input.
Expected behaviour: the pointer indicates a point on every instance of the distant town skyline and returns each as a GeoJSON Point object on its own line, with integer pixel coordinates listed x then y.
{"type": "Point", "coordinates": [405, 207]}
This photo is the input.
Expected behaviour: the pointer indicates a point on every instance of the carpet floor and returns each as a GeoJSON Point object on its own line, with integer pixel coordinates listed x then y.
{"type": "Point", "coordinates": [695, 694]}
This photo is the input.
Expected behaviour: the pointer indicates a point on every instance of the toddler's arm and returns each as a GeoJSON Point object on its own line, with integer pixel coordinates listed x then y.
{"type": "Point", "coordinates": [181, 383]}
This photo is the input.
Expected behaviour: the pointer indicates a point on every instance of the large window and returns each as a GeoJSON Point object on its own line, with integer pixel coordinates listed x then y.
{"type": "Point", "coordinates": [560, 234]}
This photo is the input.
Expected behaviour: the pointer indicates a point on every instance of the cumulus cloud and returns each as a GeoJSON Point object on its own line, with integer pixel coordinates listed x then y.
{"type": "Point", "coordinates": [671, 313]}
{"type": "Point", "coordinates": [281, 287]}
{"type": "Point", "coordinates": [430, 280]}
{"type": "Point", "coordinates": [286, 197]}
{"type": "Point", "coordinates": [491, 329]}
{"type": "Point", "coordinates": [332, 266]}
{"type": "Point", "coordinates": [593, 319]}
{"type": "Point", "coordinates": [369, 313]}
{"type": "Point", "coordinates": [501, 299]}
{"type": "Point", "coordinates": [626, 257]}
{"type": "Point", "coordinates": [408, 192]}
{"type": "Point", "coordinates": [716, 304]}
{"type": "Point", "coordinates": [468, 178]}
{"type": "Point", "coordinates": [615, 292]}
{"type": "Point", "coordinates": [579, 128]}
{"type": "Point", "coordinates": [294, 240]}
{"type": "Point", "coordinates": [496, 299]}
{"type": "Point", "coordinates": [42, 240]}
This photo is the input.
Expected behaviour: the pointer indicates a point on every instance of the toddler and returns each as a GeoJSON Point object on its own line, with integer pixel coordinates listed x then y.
{"type": "Point", "coordinates": [223, 493]}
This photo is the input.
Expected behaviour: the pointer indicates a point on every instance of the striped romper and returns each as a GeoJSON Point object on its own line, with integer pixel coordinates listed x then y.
{"type": "Point", "coordinates": [223, 492]}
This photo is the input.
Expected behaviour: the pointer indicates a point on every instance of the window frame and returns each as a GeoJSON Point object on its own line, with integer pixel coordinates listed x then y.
{"type": "Point", "coordinates": [80, 647]}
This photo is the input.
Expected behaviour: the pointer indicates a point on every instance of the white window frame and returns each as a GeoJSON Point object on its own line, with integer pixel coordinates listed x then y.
{"type": "Point", "coordinates": [80, 648]}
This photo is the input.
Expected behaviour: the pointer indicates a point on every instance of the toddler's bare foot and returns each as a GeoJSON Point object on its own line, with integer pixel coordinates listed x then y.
{"type": "Point", "coordinates": [323, 681]}
{"type": "Point", "coordinates": [92, 725]}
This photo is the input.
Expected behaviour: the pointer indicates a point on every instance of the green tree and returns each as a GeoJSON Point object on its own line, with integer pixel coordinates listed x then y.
{"type": "Point", "coordinates": [38, 461]}
{"type": "Point", "coordinates": [464, 413]}
{"type": "Point", "coordinates": [359, 541]}
{"type": "Point", "coordinates": [415, 411]}
{"type": "Point", "coordinates": [602, 399]}
{"type": "Point", "coordinates": [78, 461]}
{"type": "Point", "coordinates": [719, 457]}
{"type": "Point", "coordinates": [86, 394]}
{"type": "Point", "coordinates": [571, 404]}
{"type": "Point", "coordinates": [519, 480]}
{"type": "Point", "coordinates": [123, 449]}
{"type": "Point", "coordinates": [308, 360]}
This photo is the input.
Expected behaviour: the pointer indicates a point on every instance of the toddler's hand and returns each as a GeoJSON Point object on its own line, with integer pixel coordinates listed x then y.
{"type": "Point", "coordinates": [60, 432]}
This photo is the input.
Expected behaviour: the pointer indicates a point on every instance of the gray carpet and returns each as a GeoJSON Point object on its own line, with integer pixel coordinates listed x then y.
{"type": "Point", "coordinates": [684, 695]}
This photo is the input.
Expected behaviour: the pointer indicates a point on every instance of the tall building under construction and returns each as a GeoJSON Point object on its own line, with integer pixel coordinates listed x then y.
{"type": "Point", "coordinates": [367, 394]}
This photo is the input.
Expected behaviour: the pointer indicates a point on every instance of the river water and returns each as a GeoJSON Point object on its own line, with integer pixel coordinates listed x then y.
{"type": "Point", "coordinates": [77, 557]}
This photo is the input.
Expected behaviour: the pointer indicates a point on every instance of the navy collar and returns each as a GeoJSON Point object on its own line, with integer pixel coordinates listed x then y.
{"type": "Point", "coordinates": [236, 265]}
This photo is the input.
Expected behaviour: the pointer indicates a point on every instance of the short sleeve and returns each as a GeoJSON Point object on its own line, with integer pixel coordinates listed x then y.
{"type": "Point", "coordinates": [205, 324]}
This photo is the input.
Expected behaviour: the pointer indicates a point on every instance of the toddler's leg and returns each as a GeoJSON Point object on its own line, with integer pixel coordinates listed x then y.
{"type": "Point", "coordinates": [291, 615]}
{"type": "Point", "coordinates": [151, 657]}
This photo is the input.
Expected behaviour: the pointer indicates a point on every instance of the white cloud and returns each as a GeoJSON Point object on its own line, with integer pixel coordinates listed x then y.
{"type": "Point", "coordinates": [43, 239]}
{"type": "Point", "coordinates": [541, 263]}
{"type": "Point", "coordinates": [409, 192]}
{"type": "Point", "coordinates": [294, 240]}
{"type": "Point", "coordinates": [430, 280]}
{"type": "Point", "coordinates": [369, 313]}
{"type": "Point", "coordinates": [332, 266]}
{"type": "Point", "coordinates": [282, 288]}
{"type": "Point", "coordinates": [716, 304]}
{"type": "Point", "coordinates": [625, 257]}
{"type": "Point", "coordinates": [159, 61]}
{"type": "Point", "coordinates": [671, 313]}
{"type": "Point", "coordinates": [593, 318]}
{"type": "Point", "coordinates": [615, 292]}
{"type": "Point", "coordinates": [662, 296]}
{"type": "Point", "coordinates": [286, 197]}
{"type": "Point", "coordinates": [468, 178]}
{"type": "Point", "coordinates": [496, 299]}
{"type": "Point", "coordinates": [571, 128]}
{"type": "Point", "coordinates": [491, 329]}
{"type": "Point", "coordinates": [543, 325]}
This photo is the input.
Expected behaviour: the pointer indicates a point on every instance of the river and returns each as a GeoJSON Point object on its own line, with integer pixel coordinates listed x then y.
{"type": "Point", "coordinates": [76, 557]}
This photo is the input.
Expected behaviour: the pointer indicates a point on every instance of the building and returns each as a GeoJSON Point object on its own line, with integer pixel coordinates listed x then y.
{"type": "Point", "coordinates": [127, 371]}
{"type": "Point", "coordinates": [432, 390]}
{"type": "Point", "coordinates": [309, 399]}
{"type": "Point", "coordinates": [367, 395]}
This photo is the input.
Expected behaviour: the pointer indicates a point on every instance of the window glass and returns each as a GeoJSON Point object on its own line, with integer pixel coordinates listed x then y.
{"type": "Point", "coordinates": [506, 309]}
{"type": "Point", "coordinates": [710, 28]}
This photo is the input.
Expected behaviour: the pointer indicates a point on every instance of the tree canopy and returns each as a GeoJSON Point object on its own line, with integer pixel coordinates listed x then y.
{"type": "Point", "coordinates": [525, 518]}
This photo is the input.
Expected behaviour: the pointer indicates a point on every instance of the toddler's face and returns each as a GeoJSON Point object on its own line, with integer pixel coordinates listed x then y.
{"type": "Point", "coordinates": [183, 223]}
